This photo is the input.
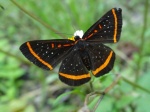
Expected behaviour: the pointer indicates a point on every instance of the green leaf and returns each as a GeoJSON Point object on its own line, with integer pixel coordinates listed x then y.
{"type": "Point", "coordinates": [58, 99]}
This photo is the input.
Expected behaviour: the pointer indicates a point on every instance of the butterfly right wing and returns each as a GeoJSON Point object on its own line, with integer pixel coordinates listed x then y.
{"type": "Point", "coordinates": [102, 59]}
{"type": "Point", "coordinates": [107, 29]}
{"type": "Point", "coordinates": [46, 53]}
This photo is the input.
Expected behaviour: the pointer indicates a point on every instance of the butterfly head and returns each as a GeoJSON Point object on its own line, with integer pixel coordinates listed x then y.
{"type": "Point", "coordinates": [77, 35]}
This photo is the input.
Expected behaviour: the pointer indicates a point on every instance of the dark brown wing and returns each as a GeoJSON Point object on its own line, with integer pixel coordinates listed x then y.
{"type": "Point", "coordinates": [46, 53]}
{"type": "Point", "coordinates": [73, 71]}
{"type": "Point", "coordinates": [106, 29]}
{"type": "Point", "coordinates": [102, 59]}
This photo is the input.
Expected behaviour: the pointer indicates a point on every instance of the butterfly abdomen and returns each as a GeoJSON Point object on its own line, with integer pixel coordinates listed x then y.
{"type": "Point", "coordinates": [85, 59]}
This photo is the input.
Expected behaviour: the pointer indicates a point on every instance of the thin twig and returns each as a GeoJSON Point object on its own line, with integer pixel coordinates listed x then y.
{"type": "Point", "coordinates": [88, 96]}
{"type": "Point", "coordinates": [91, 86]}
{"type": "Point", "coordinates": [36, 18]}
{"type": "Point", "coordinates": [106, 91]}
{"type": "Point", "coordinates": [113, 84]}
{"type": "Point", "coordinates": [109, 88]}
{"type": "Point", "coordinates": [135, 85]}
{"type": "Point", "coordinates": [98, 102]}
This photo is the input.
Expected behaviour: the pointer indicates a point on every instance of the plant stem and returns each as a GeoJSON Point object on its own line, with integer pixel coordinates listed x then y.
{"type": "Point", "coordinates": [142, 38]}
{"type": "Point", "coordinates": [91, 86]}
{"type": "Point", "coordinates": [14, 56]}
{"type": "Point", "coordinates": [36, 18]}
{"type": "Point", "coordinates": [106, 91]}
{"type": "Point", "coordinates": [109, 88]}
{"type": "Point", "coordinates": [136, 85]}
{"type": "Point", "coordinates": [98, 102]}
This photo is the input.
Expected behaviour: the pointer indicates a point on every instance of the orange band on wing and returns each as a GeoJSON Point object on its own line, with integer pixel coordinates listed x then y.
{"type": "Point", "coordinates": [52, 45]}
{"type": "Point", "coordinates": [37, 57]}
{"type": "Point", "coordinates": [115, 29]}
{"type": "Point", "coordinates": [66, 45]}
{"type": "Point", "coordinates": [83, 76]}
{"type": "Point", "coordinates": [59, 45]}
{"type": "Point", "coordinates": [104, 64]}
{"type": "Point", "coordinates": [90, 35]}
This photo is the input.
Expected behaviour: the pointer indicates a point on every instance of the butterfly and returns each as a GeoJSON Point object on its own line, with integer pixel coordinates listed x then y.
{"type": "Point", "coordinates": [81, 55]}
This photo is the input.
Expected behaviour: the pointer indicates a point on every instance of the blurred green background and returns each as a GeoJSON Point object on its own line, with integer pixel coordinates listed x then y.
{"type": "Point", "coordinates": [27, 88]}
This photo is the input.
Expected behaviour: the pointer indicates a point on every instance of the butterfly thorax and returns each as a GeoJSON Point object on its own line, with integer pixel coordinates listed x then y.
{"type": "Point", "coordinates": [81, 45]}
{"type": "Point", "coordinates": [76, 38]}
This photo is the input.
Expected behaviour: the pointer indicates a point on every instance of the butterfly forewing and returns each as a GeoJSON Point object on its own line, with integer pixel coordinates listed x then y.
{"type": "Point", "coordinates": [72, 70]}
{"type": "Point", "coordinates": [102, 59]}
{"type": "Point", "coordinates": [107, 29]}
{"type": "Point", "coordinates": [46, 53]}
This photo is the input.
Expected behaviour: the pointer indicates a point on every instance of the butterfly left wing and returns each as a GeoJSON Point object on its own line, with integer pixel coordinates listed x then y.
{"type": "Point", "coordinates": [46, 53]}
{"type": "Point", "coordinates": [72, 70]}
{"type": "Point", "coordinates": [107, 29]}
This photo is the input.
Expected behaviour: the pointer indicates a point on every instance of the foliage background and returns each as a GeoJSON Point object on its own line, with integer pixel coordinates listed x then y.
{"type": "Point", "coordinates": [26, 88]}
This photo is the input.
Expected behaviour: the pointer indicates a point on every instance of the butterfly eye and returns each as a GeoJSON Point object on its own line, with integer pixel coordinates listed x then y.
{"type": "Point", "coordinates": [76, 38]}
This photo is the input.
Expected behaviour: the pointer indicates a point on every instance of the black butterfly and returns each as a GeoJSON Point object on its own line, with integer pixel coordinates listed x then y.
{"type": "Point", "coordinates": [80, 54]}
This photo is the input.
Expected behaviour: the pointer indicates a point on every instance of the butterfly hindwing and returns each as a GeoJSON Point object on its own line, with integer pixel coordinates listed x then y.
{"type": "Point", "coordinates": [107, 29]}
{"type": "Point", "coordinates": [46, 53]}
{"type": "Point", "coordinates": [72, 70]}
{"type": "Point", "coordinates": [102, 59]}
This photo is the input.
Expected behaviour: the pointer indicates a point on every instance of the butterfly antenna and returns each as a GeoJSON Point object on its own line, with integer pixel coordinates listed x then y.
{"type": "Point", "coordinates": [72, 18]}
{"type": "Point", "coordinates": [73, 26]}
{"type": "Point", "coordinates": [62, 33]}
